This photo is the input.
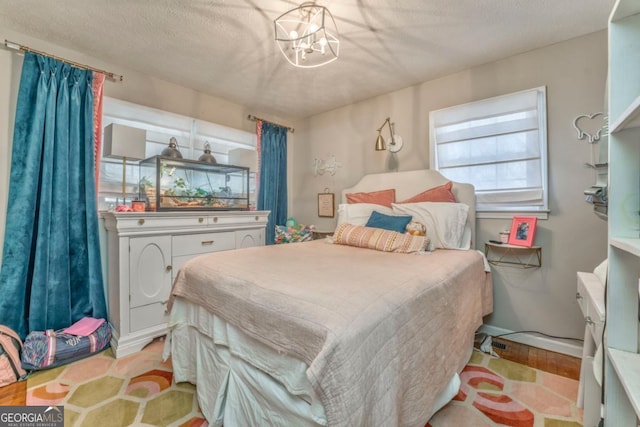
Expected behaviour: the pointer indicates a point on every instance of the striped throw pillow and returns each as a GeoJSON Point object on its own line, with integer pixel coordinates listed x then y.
{"type": "Point", "coordinates": [379, 239]}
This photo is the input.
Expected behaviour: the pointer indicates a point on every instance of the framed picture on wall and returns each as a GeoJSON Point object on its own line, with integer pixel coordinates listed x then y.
{"type": "Point", "coordinates": [523, 230]}
{"type": "Point", "coordinates": [326, 207]}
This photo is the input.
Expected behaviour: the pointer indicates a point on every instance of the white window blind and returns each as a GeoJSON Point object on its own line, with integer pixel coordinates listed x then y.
{"type": "Point", "coordinates": [498, 145]}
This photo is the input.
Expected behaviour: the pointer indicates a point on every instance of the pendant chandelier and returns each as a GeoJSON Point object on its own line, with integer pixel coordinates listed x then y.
{"type": "Point", "coordinates": [307, 36]}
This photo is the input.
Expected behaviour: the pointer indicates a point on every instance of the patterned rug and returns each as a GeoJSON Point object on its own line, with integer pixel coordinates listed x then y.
{"type": "Point", "coordinates": [497, 392]}
{"type": "Point", "coordinates": [108, 392]}
{"type": "Point", "coordinates": [139, 390]}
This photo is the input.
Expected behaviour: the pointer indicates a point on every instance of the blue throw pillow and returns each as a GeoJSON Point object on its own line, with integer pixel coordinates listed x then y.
{"type": "Point", "coordinates": [388, 222]}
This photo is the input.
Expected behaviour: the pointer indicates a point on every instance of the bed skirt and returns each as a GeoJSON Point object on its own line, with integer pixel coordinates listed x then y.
{"type": "Point", "coordinates": [241, 381]}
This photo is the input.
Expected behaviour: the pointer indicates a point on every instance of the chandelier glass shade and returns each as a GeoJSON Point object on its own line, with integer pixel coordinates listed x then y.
{"type": "Point", "coordinates": [307, 36]}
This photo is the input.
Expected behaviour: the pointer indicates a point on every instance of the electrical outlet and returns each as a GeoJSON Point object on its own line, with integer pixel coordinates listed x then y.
{"type": "Point", "coordinates": [499, 345]}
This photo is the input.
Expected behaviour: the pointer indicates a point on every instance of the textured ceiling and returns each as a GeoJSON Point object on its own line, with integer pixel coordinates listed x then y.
{"type": "Point", "coordinates": [226, 47]}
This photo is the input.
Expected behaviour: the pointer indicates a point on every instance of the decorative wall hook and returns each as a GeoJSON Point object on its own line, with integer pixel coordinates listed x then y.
{"type": "Point", "coordinates": [330, 166]}
{"type": "Point", "coordinates": [591, 126]}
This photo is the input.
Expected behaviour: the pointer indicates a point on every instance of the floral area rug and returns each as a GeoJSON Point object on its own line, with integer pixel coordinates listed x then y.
{"type": "Point", "coordinates": [498, 392]}
{"type": "Point", "coordinates": [107, 392]}
{"type": "Point", "coordinates": [139, 390]}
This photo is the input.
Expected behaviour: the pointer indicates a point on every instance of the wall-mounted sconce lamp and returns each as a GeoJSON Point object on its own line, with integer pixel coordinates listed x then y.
{"type": "Point", "coordinates": [396, 141]}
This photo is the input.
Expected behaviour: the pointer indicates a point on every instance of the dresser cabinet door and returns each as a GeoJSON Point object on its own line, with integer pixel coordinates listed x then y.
{"type": "Point", "coordinates": [249, 238]}
{"type": "Point", "coordinates": [150, 270]}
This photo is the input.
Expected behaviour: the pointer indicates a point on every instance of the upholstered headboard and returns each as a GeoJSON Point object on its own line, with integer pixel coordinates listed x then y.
{"type": "Point", "coordinates": [410, 183]}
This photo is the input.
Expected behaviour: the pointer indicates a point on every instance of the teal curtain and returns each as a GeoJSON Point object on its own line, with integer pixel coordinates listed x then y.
{"type": "Point", "coordinates": [272, 194]}
{"type": "Point", "coordinates": [51, 274]}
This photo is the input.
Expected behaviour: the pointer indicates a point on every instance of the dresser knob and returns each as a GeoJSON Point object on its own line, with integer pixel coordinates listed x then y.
{"type": "Point", "coordinates": [257, 217]}
{"type": "Point", "coordinates": [141, 221]}
{"type": "Point", "coordinates": [578, 296]}
{"type": "Point", "coordinates": [169, 268]}
{"type": "Point", "coordinates": [200, 220]}
{"type": "Point", "coordinates": [588, 321]}
{"type": "Point", "coordinates": [206, 242]}
{"type": "Point", "coordinates": [215, 219]}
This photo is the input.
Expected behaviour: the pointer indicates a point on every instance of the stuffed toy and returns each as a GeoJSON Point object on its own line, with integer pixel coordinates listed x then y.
{"type": "Point", "coordinates": [416, 228]}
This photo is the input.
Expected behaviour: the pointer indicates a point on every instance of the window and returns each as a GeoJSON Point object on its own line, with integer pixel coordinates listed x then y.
{"type": "Point", "coordinates": [160, 126]}
{"type": "Point", "coordinates": [500, 146]}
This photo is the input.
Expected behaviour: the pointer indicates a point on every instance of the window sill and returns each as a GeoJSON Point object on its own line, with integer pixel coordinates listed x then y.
{"type": "Point", "coordinates": [511, 214]}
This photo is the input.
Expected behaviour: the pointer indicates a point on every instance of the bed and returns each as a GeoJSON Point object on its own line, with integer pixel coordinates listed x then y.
{"type": "Point", "coordinates": [318, 333]}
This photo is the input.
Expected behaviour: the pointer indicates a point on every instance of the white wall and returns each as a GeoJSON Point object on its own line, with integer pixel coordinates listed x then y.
{"type": "Point", "coordinates": [572, 239]}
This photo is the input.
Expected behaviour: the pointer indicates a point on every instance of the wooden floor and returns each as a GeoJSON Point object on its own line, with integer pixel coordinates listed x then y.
{"type": "Point", "coordinates": [548, 361]}
{"type": "Point", "coordinates": [556, 363]}
{"type": "Point", "coordinates": [14, 394]}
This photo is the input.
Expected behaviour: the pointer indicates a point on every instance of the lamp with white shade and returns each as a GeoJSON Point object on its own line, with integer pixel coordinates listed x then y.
{"type": "Point", "coordinates": [126, 143]}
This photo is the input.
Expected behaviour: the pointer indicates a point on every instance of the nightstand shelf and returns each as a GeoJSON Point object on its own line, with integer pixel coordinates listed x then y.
{"type": "Point", "coordinates": [513, 256]}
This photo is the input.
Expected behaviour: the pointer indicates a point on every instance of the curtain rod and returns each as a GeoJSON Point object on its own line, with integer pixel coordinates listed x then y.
{"type": "Point", "coordinates": [16, 46]}
{"type": "Point", "coordinates": [254, 119]}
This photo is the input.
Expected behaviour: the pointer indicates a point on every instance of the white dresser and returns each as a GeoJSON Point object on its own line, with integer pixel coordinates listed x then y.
{"type": "Point", "coordinates": [590, 297]}
{"type": "Point", "coordinates": [146, 250]}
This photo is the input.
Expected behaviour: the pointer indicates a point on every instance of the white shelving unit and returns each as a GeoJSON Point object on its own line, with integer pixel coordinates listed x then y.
{"type": "Point", "coordinates": [622, 371]}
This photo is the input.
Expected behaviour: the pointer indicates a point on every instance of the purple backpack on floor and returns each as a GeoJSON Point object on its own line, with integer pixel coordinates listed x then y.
{"type": "Point", "coordinates": [48, 349]}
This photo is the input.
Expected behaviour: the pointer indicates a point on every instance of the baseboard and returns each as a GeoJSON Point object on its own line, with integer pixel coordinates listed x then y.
{"type": "Point", "coordinates": [545, 343]}
{"type": "Point", "coordinates": [124, 345]}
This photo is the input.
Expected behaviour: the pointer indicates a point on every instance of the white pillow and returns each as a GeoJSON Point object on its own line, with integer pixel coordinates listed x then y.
{"type": "Point", "coordinates": [359, 213]}
{"type": "Point", "coordinates": [445, 222]}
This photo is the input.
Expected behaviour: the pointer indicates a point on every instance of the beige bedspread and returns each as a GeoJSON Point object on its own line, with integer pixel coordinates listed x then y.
{"type": "Point", "coordinates": [380, 332]}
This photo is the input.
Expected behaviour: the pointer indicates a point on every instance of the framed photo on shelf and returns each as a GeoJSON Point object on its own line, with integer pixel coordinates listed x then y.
{"type": "Point", "coordinates": [523, 230]}
{"type": "Point", "coordinates": [326, 207]}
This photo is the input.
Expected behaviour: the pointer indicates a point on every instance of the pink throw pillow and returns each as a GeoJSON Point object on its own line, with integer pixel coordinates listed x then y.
{"type": "Point", "coordinates": [441, 193]}
{"type": "Point", "coordinates": [382, 197]}
{"type": "Point", "coordinates": [379, 239]}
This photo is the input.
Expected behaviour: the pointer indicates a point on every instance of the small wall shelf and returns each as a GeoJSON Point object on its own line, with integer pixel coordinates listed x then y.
{"type": "Point", "coordinates": [513, 256]}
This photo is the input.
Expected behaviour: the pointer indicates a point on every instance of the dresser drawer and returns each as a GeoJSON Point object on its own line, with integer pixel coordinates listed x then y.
{"type": "Point", "coordinates": [147, 316]}
{"type": "Point", "coordinates": [582, 296]}
{"type": "Point", "coordinates": [148, 222]}
{"type": "Point", "coordinates": [192, 244]}
{"type": "Point", "coordinates": [590, 297]}
{"type": "Point", "coordinates": [596, 328]}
